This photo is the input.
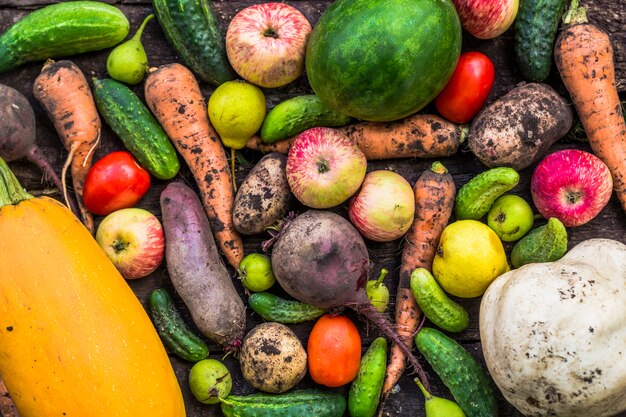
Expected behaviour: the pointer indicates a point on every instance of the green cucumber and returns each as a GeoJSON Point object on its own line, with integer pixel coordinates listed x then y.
{"type": "Point", "coordinates": [435, 304]}
{"type": "Point", "coordinates": [468, 383]}
{"type": "Point", "coordinates": [535, 30]}
{"type": "Point", "coordinates": [476, 197]}
{"type": "Point", "coordinates": [297, 115]}
{"type": "Point", "coordinates": [131, 120]}
{"type": "Point", "coordinates": [547, 243]}
{"type": "Point", "coordinates": [173, 331]}
{"type": "Point", "coordinates": [60, 30]}
{"type": "Point", "coordinates": [273, 308]}
{"type": "Point", "coordinates": [192, 29]}
{"type": "Point", "coordinates": [306, 402]}
{"type": "Point", "coordinates": [364, 394]}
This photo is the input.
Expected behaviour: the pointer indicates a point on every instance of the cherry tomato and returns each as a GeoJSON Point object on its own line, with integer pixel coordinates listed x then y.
{"type": "Point", "coordinates": [468, 88]}
{"type": "Point", "coordinates": [115, 182]}
{"type": "Point", "coordinates": [334, 351]}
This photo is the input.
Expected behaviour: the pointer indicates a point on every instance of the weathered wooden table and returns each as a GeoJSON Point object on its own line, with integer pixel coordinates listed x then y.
{"type": "Point", "coordinates": [611, 223]}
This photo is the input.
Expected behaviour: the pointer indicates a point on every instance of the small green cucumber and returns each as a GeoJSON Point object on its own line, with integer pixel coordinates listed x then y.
{"type": "Point", "coordinates": [364, 394]}
{"type": "Point", "coordinates": [298, 114]}
{"type": "Point", "coordinates": [60, 30]}
{"type": "Point", "coordinates": [435, 304]}
{"type": "Point", "coordinates": [535, 30]}
{"type": "Point", "coordinates": [175, 335]}
{"type": "Point", "coordinates": [547, 243]}
{"type": "Point", "coordinates": [131, 120]}
{"type": "Point", "coordinates": [305, 402]}
{"type": "Point", "coordinates": [273, 308]}
{"type": "Point", "coordinates": [476, 197]}
{"type": "Point", "coordinates": [468, 383]}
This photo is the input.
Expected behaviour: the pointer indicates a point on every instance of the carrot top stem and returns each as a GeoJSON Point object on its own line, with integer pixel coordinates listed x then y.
{"type": "Point", "coordinates": [438, 168]}
{"type": "Point", "coordinates": [11, 192]}
{"type": "Point", "coordinates": [575, 14]}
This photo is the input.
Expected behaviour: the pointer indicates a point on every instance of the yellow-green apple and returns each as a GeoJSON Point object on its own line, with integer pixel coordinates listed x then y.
{"type": "Point", "coordinates": [133, 239]}
{"type": "Point", "coordinates": [383, 209]}
{"type": "Point", "coordinates": [511, 217]}
{"type": "Point", "coordinates": [266, 43]}
{"type": "Point", "coordinates": [571, 185]}
{"type": "Point", "coordinates": [486, 19]}
{"type": "Point", "coordinates": [324, 167]}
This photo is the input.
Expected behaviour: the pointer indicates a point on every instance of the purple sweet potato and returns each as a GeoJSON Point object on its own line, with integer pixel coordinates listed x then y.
{"type": "Point", "coordinates": [197, 270]}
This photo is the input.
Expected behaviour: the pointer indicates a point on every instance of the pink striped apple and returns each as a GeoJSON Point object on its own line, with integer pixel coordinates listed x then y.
{"type": "Point", "coordinates": [571, 185]}
{"type": "Point", "coordinates": [324, 167]}
{"type": "Point", "coordinates": [266, 43]}
{"type": "Point", "coordinates": [384, 207]}
{"type": "Point", "coordinates": [486, 19]}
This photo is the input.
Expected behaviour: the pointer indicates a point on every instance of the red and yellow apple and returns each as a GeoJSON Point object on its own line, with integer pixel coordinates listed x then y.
{"type": "Point", "coordinates": [266, 43]}
{"type": "Point", "coordinates": [133, 239]}
{"type": "Point", "coordinates": [324, 167]}
{"type": "Point", "coordinates": [486, 19]}
{"type": "Point", "coordinates": [384, 207]}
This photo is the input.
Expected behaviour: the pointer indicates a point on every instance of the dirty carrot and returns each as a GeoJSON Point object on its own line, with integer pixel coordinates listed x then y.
{"type": "Point", "coordinates": [416, 136]}
{"type": "Point", "coordinates": [174, 97]}
{"type": "Point", "coordinates": [62, 90]}
{"type": "Point", "coordinates": [584, 57]}
{"type": "Point", "coordinates": [434, 200]}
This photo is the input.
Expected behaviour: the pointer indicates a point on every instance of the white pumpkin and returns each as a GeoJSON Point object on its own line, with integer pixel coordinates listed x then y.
{"type": "Point", "coordinates": [554, 334]}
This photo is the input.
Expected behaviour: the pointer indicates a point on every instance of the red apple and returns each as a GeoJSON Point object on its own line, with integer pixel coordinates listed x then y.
{"type": "Point", "coordinates": [266, 43]}
{"type": "Point", "coordinates": [384, 207]}
{"type": "Point", "coordinates": [324, 167]}
{"type": "Point", "coordinates": [571, 185]}
{"type": "Point", "coordinates": [133, 239]}
{"type": "Point", "coordinates": [486, 19]}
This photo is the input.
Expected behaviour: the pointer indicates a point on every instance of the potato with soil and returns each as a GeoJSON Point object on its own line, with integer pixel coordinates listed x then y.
{"type": "Point", "coordinates": [517, 129]}
{"type": "Point", "coordinates": [272, 358]}
{"type": "Point", "coordinates": [264, 196]}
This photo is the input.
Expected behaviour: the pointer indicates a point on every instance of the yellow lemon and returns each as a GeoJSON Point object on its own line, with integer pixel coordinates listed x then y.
{"type": "Point", "coordinates": [237, 110]}
{"type": "Point", "coordinates": [469, 257]}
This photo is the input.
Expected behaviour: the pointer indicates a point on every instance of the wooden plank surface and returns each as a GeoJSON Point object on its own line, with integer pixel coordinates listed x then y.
{"type": "Point", "coordinates": [611, 223]}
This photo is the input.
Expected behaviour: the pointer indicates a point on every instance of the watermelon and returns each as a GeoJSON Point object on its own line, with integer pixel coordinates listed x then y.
{"type": "Point", "coordinates": [382, 60]}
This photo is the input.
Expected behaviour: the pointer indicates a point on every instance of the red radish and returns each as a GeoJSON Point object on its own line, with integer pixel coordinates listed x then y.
{"type": "Point", "coordinates": [319, 258]}
{"type": "Point", "coordinates": [571, 185]}
{"type": "Point", "coordinates": [486, 19]}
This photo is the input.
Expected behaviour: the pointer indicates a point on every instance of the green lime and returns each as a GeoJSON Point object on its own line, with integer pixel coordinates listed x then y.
{"type": "Point", "coordinates": [237, 110]}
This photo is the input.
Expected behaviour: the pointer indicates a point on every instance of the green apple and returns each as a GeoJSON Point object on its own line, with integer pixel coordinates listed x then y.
{"type": "Point", "coordinates": [210, 380]}
{"type": "Point", "coordinates": [255, 272]}
{"type": "Point", "coordinates": [377, 292]}
{"type": "Point", "coordinates": [511, 217]}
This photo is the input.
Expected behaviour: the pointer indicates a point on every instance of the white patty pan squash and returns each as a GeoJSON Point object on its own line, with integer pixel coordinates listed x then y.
{"type": "Point", "coordinates": [554, 334]}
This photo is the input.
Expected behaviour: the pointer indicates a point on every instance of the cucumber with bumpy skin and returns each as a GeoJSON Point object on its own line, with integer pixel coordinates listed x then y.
{"type": "Point", "coordinates": [364, 394]}
{"type": "Point", "coordinates": [176, 336]}
{"type": "Point", "coordinates": [459, 371]}
{"type": "Point", "coordinates": [547, 243]}
{"type": "Point", "coordinates": [273, 308]}
{"type": "Point", "coordinates": [306, 402]}
{"type": "Point", "coordinates": [476, 197]}
{"type": "Point", "coordinates": [60, 30]}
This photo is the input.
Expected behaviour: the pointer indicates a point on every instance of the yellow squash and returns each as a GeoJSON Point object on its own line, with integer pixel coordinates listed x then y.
{"type": "Point", "coordinates": [74, 339]}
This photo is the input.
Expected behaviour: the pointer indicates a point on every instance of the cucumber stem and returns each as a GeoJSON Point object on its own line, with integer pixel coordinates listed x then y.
{"type": "Point", "coordinates": [575, 14]}
{"type": "Point", "coordinates": [137, 35]}
{"type": "Point", "coordinates": [11, 192]}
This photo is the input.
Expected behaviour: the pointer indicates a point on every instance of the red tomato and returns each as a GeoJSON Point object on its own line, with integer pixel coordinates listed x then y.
{"type": "Point", "coordinates": [115, 182]}
{"type": "Point", "coordinates": [334, 351]}
{"type": "Point", "coordinates": [468, 88]}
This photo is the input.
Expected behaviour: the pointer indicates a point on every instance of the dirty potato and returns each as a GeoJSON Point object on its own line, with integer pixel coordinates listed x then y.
{"type": "Point", "coordinates": [264, 196]}
{"type": "Point", "coordinates": [272, 358]}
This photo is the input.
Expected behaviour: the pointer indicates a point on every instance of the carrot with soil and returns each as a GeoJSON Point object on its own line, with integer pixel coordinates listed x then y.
{"type": "Point", "coordinates": [584, 58]}
{"type": "Point", "coordinates": [416, 136]}
{"type": "Point", "coordinates": [174, 97]}
{"type": "Point", "coordinates": [434, 201]}
{"type": "Point", "coordinates": [62, 90]}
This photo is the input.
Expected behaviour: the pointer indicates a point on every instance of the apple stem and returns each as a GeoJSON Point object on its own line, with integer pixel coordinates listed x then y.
{"type": "Point", "coordinates": [322, 166]}
{"type": "Point", "coordinates": [427, 394]}
{"type": "Point", "coordinates": [270, 33]}
{"type": "Point", "coordinates": [119, 246]}
{"type": "Point", "coordinates": [381, 277]}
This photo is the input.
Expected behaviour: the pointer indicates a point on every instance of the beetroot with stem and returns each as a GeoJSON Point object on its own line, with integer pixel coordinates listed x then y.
{"type": "Point", "coordinates": [17, 133]}
{"type": "Point", "coordinates": [319, 258]}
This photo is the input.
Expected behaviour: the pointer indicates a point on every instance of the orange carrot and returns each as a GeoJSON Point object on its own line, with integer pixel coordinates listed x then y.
{"type": "Point", "coordinates": [174, 97]}
{"type": "Point", "coordinates": [434, 199]}
{"type": "Point", "coordinates": [416, 136]}
{"type": "Point", "coordinates": [63, 92]}
{"type": "Point", "coordinates": [584, 58]}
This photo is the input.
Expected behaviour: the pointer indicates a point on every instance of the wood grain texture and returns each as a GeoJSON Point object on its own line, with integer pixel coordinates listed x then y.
{"type": "Point", "coordinates": [611, 223]}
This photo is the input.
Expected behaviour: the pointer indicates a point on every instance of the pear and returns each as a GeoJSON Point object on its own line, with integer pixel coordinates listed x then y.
{"type": "Point", "coordinates": [439, 407]}
{"type": "Point", "coordinates": [128, 62]}
{"type": "Point", "coordinates": [377, 292]}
